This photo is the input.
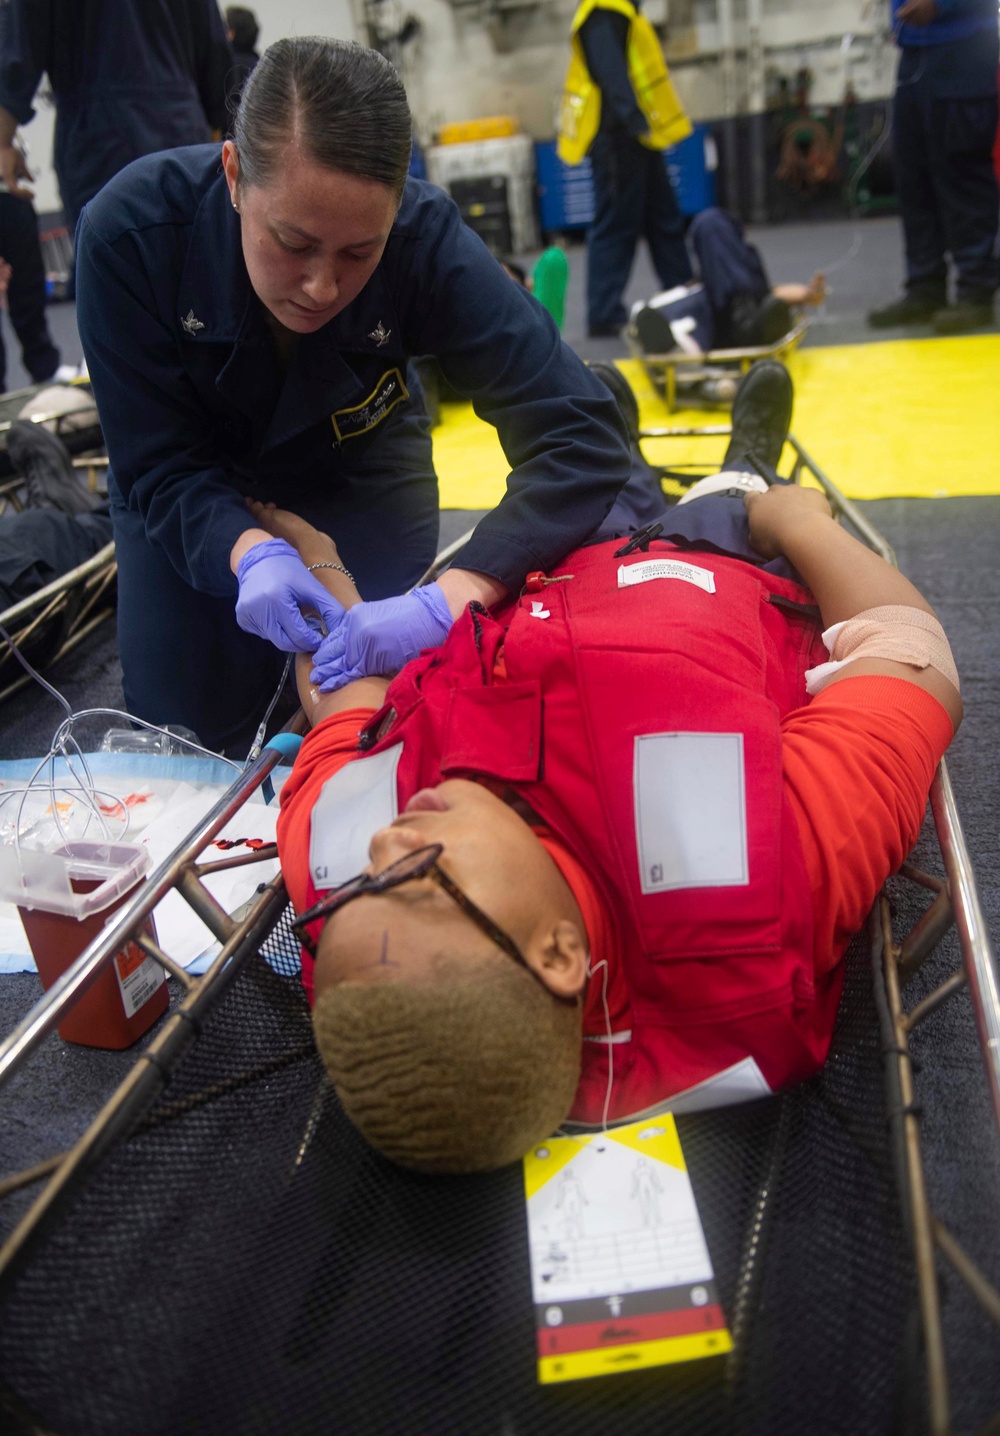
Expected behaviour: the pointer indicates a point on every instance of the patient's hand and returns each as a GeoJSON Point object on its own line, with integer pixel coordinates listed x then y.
{"type": "Point", "coordinates": [315, 547]}
{"type": "Point", "coordinates": [775, 516]}
{"type": "Point", "coordinates": [312, 545]}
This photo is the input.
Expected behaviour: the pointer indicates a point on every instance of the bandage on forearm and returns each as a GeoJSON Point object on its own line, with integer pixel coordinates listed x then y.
{"type": "Point", "coordinates": [896, 632]}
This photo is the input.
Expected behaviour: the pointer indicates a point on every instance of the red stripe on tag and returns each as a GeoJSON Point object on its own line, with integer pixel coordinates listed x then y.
{"type": "Point", "coordinates": [627, 1331]}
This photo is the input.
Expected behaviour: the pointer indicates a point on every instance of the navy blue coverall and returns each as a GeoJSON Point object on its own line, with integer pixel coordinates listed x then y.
{"type": "Point", "coordinates": [944, 126]}
{"type": "Point", "coordinates": [633, 196]}
{"type": "Point", "coordinates": [128, 77]}
{"type": "Point", "coordinates": [197, 413]}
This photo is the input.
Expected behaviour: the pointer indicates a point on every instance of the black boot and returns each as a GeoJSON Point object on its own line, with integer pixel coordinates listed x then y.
{"type": "Point", "coordinates": [966, 315]}
{"type": "Point", "coordinates": [762, 413]}
{"type": "Point", "coordinates": [628, 406]}
{"type": "Point", "coordinates": [653, 332]}
{"type": "Point", "coordinates": [44, 463]}
{"type": "Point", "coordinates": [911, 309]}
{"type": "Point", "coordinates": [754, 323]}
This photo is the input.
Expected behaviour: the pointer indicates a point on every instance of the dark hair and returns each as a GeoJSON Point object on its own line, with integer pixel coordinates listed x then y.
{"type": "Point", "coordinates": [243, 24]}
{"type": "Point", "coordinates": [344, 103]}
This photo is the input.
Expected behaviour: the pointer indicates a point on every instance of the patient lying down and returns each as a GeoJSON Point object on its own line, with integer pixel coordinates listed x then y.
{"type": "Point", "coordinates": [623, 851]}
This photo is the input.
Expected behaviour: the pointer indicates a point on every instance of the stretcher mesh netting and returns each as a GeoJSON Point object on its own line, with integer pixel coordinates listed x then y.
{"type": "Point", "coordinates": [244, 1264]}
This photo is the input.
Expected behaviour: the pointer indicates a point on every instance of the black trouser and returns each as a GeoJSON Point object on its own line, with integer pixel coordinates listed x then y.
{"type": "Point", "coordinates": [744, 310]}
{"type": "Point", "coordinates": [633, 200]}
{"type": "Point", "coordinates": [19, 246]}
{"type": "Point", "coordinates": [717, 523]}
{"type": "Point", "coordinates": [40, 545]}
{"type": "Point", "coordinates": [948, 195]}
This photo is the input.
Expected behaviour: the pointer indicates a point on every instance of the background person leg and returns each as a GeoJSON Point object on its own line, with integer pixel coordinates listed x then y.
{"type": "Point", "coordinates": [962, 164]}
{"type": "Point", "coordinates": [919, 201]}
{"type": "Point", "coordinates": [21, 249]}
{"type": "Point", "coordinates": [734, 277]}
{"type": "Point", "coordinates": [619, 202]}
{"type": "Point", "coordinates": [662, 221]}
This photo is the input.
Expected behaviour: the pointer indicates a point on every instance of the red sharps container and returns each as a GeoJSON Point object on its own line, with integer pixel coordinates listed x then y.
{"type": "Point", "coordinates": [65, 898]}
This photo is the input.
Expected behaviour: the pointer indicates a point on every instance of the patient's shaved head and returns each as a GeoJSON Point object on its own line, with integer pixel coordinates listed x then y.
{"type": "Point", "coordinates": [461, 1069]}
{"type": "Point", "coordinates": [447, 1053]}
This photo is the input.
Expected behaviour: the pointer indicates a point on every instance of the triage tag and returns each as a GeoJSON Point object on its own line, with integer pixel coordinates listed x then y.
{"type": "Point", "coordinates": [650, 568]}
{"type": "Point", "coordinates": [620, 1273]}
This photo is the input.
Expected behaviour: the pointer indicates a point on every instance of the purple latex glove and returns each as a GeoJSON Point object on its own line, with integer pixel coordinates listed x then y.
{"type": "Point", "coordinates": [380, 637]}
{"type": "Point", "coordinates": [274, 587]}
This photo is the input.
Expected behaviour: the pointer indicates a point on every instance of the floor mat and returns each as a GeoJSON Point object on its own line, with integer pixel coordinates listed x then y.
{"type": "Point", "coordinates": [910, 418]}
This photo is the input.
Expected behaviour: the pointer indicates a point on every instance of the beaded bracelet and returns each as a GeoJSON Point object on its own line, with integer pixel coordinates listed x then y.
{"type": "Point", "coordinates": [338, 566]}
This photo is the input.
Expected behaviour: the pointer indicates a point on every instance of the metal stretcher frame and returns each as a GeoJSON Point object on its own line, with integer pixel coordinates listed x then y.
{"type": "Point", "coordinates": [677, 370]}
{"type": "Point", "coordinates": [64, 613]}
{"type": "Point", "coordinates": [954, 902]}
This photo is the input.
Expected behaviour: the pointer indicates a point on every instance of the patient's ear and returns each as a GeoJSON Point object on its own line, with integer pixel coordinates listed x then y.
{"type": "Point", "coordinates": [560, 960]}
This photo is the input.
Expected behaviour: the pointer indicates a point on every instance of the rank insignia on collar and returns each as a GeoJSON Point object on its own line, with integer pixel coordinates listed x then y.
{"type": "Point", "coordinates": [191, 325]}
{"type": "Point", "coordinates": [380, 334]}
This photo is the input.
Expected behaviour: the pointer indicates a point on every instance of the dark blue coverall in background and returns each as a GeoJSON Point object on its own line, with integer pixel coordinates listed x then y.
{"type": "Point", "coordinates": [633, 196]}
{"type": "Point", "coordinates": [197, 412]}
{"type": "Point", "coordinates": [733, 306]}
{"type": "Point", "coordinates": [944, 127]}
{"type": "Point", "coordinates": [19, 246]}
{"type": "Point", "coordinates": [128, 77]}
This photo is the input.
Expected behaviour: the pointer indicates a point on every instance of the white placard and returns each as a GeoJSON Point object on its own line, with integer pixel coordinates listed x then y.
{"type": "Point", "coordinates": [648, 569]}
{"type": "Point", "coordinates": [354, 804]}
{"type": "Point", "coordinates": [690, 811]}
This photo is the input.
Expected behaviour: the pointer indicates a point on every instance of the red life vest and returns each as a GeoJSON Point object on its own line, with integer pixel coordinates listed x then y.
{"type": "Point", "coordinates": [715, 974]}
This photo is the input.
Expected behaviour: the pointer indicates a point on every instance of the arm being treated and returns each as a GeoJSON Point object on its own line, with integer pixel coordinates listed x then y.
{"type": "Point", "coordinates": [845, 577]}
{"type": "Point", "coordinates": [315, 547]}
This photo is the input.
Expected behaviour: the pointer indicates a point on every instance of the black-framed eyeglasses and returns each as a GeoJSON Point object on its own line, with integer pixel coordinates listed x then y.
{"type": "Point", "coordinates": [420, 864]}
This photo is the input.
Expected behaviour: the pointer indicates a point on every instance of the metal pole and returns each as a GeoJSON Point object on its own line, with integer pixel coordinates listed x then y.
{"type": "Point", "coordinates": [921, 1233]}
{"type": "Point", "coordinates": [74, 982]}
{"type": "Point", "coordinates": [756, 104]}
{"type": "Point", "coordinates": [980, 964]}
{"type": "Point", "coordinates": [730, 155]}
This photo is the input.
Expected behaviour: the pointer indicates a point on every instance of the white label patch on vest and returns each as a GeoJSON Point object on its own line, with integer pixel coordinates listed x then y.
{"type": "Point", "coordinates": [690, 811]}
{"type": "Point", "coordinates": [354, 804]}
{"type": "Point", "coordinates": [388, 392]}
{"type": "Point", "coordinates": [645, 572]}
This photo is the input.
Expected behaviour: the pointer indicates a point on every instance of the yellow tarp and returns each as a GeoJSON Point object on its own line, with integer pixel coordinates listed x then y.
{"type": "Point", "coordinates": [906, 418]}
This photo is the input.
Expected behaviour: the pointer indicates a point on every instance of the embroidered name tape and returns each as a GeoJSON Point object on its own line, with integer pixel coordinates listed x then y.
{"type": "Point", "coordinates": [388, 392]}
{"type": "Point", "coordinates": [645, 572]}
